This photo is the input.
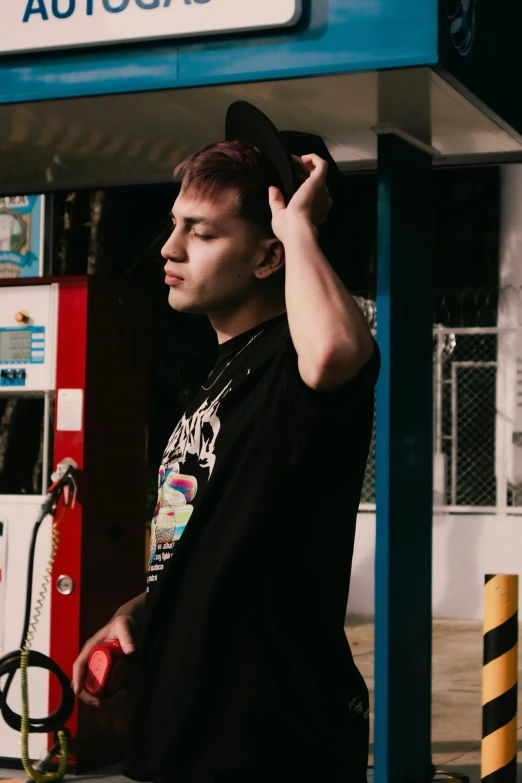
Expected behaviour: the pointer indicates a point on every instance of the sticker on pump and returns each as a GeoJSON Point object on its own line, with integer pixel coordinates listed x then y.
{"type": "Point", "coordinates": [70, 410]}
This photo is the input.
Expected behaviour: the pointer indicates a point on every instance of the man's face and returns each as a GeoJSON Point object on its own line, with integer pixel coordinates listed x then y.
{"type": "Point", "coordinates": [211, 255]}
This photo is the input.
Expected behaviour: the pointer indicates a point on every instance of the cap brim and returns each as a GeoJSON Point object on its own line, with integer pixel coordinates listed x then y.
{"type": "Point", "coordinates": [245, 122]}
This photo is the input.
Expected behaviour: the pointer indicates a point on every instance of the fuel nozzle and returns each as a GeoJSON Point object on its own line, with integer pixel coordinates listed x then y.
{"type": "Point", "coordinates": [64, 483]}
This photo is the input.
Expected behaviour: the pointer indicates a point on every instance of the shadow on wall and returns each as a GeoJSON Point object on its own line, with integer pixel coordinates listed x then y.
{"type": "Point", "coordinates": [457, 581]}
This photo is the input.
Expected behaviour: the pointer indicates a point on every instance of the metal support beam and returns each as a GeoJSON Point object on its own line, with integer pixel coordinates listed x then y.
{"type": "Point", "coordinates": [403, 610]}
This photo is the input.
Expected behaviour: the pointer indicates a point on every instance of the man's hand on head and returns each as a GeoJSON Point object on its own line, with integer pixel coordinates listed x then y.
{"type": "Point", "coordinates": [309, 205]}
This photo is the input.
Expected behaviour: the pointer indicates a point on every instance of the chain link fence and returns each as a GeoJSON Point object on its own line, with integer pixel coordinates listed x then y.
{"type": "Point", "coordinates": [477, 421]}
{"type": "Point", "coordinates": [368, 490]}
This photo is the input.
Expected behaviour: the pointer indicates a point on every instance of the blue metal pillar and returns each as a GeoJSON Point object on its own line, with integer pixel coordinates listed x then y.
{"type": "Point", "coordinates": [404, 465]}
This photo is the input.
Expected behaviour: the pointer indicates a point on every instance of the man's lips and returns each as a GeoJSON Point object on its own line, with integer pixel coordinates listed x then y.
{"type": "Point", "coordinates": [171, 279]}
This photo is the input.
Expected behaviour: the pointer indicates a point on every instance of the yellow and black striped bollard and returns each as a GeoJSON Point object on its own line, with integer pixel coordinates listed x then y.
{"type": "Point", "coordinates": [499, 679]}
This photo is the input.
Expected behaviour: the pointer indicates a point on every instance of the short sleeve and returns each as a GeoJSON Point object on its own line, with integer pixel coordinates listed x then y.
{"type": "Point", "coordinates": [315, 404]}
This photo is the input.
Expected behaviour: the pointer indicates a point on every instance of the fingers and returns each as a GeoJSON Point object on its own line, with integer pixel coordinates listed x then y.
{"type": "Point", "coordinates": [276, 200]}
{"type": "Point", "coordinates": [119, 629]}
{"type": "Point", "coordinates": [92, 701]}
{"type": "Point", "coordinates": [87, 698]}
{"type": "Point", "coordinates": [123, 634]}
{"type": "Point", "coordinates": [79, 669]}
{"type": "Point", "coordinates": [317, 167]}
{"type": "Point", "coordinates": [78, 678]}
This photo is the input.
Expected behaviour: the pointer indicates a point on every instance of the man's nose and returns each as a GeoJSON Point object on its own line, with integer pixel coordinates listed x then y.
{"type": "Point", "coordinates": [173, 248]}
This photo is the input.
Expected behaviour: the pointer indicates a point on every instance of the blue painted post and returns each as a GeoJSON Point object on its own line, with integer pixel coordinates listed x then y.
{"type": "Point", "coordinates": [404, 465]}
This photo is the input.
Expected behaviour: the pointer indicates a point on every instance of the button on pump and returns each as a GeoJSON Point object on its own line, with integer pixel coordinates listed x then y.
{"type": "Point", "coordinates": [65, 585]}
{"type": "Point", "coordinates": [22, 317]}
{"type": "Point", "coordinates": [13, 377]}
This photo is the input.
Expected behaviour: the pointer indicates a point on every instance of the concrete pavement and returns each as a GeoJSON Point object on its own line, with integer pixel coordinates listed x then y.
{"type": "Point", "coordinates": [456, 691]}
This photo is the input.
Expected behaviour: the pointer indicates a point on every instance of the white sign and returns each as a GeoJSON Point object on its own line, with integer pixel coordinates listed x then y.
{"type": "Point", "coordinates": [30, 25]}
{"type": "Point", "coordinates": [70, 410]}
{"type": "Point", "coordinates": [21, 235]}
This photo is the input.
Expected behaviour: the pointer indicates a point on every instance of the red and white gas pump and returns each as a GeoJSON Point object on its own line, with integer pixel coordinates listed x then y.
{"type": "Point", "coordinates": [79, 345]}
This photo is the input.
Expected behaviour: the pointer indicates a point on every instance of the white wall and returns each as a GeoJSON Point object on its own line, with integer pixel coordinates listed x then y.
{"type": "Point", "coordinates": [362, 584]}
{"type": "Point", "coordinates": [465, 548]}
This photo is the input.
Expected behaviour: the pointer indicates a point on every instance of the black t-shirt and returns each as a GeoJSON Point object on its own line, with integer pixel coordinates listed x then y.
{"type": "Point", "coordinates": [245, 663]}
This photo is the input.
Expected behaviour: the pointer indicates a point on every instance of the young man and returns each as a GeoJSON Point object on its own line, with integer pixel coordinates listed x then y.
{"type": "Point", "coordinates": [245, 671]}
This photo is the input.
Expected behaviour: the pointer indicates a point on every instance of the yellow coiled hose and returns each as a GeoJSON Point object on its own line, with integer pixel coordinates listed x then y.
{"type": "Point", "coordinates": [24, 661]}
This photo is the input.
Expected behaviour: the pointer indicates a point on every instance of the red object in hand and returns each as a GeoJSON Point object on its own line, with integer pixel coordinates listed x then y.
{"type": "Point", "coordinates": [106, 670]}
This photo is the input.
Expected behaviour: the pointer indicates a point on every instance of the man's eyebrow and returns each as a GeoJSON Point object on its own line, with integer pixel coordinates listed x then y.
{"type": "Point", "coordinates": [195, 220]}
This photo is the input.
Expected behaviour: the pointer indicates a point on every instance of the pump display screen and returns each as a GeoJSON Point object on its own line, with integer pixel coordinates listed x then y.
{"type": "Point", "coordinates": [15, 345]}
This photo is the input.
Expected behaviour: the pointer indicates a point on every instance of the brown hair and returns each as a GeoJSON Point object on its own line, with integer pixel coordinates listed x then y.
{"type": "Point", "coordinates": [233, 165]}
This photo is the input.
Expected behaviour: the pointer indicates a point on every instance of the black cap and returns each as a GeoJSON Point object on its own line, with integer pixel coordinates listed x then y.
{"type": "Point", "coordinates": [331, 233]}
{"type": "Point", "coordinates": [246, 122]}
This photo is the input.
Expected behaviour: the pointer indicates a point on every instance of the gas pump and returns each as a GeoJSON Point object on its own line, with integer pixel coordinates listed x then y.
{"type": "Point", "coordinates": [73, 369]}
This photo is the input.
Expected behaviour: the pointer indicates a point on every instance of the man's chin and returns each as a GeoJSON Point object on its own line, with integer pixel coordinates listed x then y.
{"type": "Point", "coordinates": [184, 306]}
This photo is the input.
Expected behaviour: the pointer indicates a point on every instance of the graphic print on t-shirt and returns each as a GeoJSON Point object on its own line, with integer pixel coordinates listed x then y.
{"type": "Point", "coordinates": [187, 463]}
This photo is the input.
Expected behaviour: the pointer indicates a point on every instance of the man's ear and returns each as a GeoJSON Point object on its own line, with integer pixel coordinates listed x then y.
{"type": "Point", "coordinates": [273, 258]}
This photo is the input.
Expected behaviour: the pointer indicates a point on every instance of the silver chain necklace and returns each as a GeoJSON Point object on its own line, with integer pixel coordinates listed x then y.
{"type": "Point", "coordinates": [207, 388]}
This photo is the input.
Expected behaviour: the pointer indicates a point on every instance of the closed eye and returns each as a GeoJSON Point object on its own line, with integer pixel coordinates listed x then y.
{"type": "Point", "coordinates": [204, 237]}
